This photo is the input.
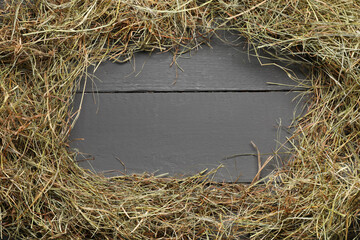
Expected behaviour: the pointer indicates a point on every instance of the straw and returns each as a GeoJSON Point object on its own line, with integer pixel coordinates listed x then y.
{"type": "Point", "coordinates": [46, 47]}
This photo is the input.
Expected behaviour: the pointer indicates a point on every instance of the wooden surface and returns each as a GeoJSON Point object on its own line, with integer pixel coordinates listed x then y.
{"type": "Point", "coordinates": [220, 67]}
{"type": "Point", "coordinates": [143, 122]}
{"type": "Point", "coordinates": [180, 133]}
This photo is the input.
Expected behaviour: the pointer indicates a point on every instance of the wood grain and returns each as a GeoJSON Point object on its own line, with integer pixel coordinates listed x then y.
{"type": "Point", "coordinates": [220, 67]}
{"type": "Point", "coordinates": [180, 133]}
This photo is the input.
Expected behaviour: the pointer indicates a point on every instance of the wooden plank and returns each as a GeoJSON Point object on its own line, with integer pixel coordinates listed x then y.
{"type": "Point", "coordinates": [180, 133]}
{"type": "Point", "coordinates": [222, 67]}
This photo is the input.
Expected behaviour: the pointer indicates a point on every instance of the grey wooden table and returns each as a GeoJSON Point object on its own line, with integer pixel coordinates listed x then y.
{"type": "Point", "coordinates": [144, 116]}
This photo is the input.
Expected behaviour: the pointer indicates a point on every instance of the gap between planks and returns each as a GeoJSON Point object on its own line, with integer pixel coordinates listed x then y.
{"type": "Point", "coordinates": [193, 91]}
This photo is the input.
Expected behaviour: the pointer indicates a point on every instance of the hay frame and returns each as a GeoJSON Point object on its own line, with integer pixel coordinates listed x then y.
{"type": "Point", "coordinates": [46, 47]}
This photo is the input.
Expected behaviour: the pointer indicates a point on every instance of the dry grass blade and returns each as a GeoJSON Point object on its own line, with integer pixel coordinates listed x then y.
{"type": "Point", "coordinates": [46, 47]}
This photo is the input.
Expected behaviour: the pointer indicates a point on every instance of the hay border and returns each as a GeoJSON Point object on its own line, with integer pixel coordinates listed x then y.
{"type": "Point", "coordinates": [47, 45]}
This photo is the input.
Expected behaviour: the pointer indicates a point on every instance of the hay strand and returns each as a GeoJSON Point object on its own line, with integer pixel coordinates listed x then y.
{"type": "Point", "coordinates": [46, 47]}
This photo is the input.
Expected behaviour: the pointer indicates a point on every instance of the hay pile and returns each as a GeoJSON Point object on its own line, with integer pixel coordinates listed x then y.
{"type": "Point", "coordinates": [46, 47]}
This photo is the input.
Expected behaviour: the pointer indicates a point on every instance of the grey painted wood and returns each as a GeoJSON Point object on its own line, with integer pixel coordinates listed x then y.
{"type": "Point", "coordinates": [222, 67]}
{"type": "Point", "coordinates": [180, 133]}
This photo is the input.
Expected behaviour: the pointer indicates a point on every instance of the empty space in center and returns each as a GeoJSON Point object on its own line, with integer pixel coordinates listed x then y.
{"type": "Point", "coordinates": [205, 110]}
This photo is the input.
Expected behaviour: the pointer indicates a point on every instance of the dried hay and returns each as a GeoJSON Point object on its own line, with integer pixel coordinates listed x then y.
{"type": "Point", "coordinates": [47, 45]}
